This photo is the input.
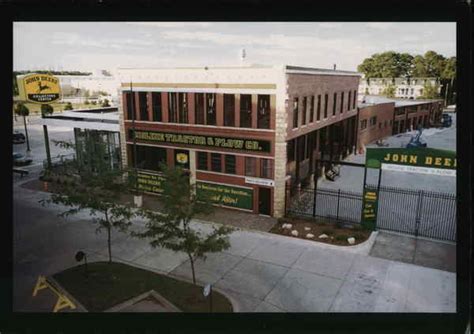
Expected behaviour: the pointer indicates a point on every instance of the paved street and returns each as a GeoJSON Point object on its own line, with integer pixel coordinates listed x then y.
{"type": "Point", "coordinates": [261, 272]}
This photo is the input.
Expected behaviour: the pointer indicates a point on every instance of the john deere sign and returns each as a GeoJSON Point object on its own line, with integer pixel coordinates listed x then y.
{"type": "Point", "coordinates": [39, 88]}
{"type": "Point", "coordinates": [236, 197]}
{"type": "Point", "coordinates": [252, 145]}
{"type": "Point", "coordinates": [412, 160]}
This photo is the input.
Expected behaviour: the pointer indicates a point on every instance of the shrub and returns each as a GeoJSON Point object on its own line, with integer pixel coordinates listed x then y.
{"type": "Point", "coordinates": [327, 231]}
{"type": "Point", "coordinates": [339, 225]}
{"type": "Point", "coordinates": [68, 106]}
{"type": "Point", "coordinates": [359, 236]}
{"type": "Point", "coordinates": [341, 237]}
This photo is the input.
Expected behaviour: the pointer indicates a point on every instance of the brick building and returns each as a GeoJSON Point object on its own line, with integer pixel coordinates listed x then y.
{"type": "Point", "coordinates": [243, 133]}
{"type": "Point", "coordinates": [375, 122]}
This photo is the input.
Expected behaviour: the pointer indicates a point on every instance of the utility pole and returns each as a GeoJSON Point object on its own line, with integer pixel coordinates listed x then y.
{"type": "Point", "coordinates": [137, 201]}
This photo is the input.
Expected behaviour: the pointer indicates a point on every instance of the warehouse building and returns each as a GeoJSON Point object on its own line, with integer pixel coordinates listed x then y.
{"type": "Point", "coordinates": [244, 133]}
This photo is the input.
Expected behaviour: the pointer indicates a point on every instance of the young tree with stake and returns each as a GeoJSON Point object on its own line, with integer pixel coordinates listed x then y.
{"type": "Point", "coordinates": [171, 228]}
{"type": "Point", "coordinates": [96, 188]}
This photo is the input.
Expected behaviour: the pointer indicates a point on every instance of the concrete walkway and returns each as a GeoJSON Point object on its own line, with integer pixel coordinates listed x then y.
{"type": "Point", "coordinates": [261, 272]}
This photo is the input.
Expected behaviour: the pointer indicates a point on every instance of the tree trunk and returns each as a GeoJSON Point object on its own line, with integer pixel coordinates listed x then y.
{"type": "Point", "coordinates": [26, 134]}
{"type": "Point", "coordinates": [192, 268]}
{"type": "Point", "coordinates": [109, 245]}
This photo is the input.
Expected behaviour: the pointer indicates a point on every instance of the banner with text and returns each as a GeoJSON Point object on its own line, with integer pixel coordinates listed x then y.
{"type": "Point", "coordinates": [250, 145]}
{"type": "Point", "coordinates": [236, 197]}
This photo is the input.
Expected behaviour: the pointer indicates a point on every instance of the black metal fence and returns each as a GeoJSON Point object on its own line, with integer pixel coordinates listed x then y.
{"type": "Point", "coordinates": [420, 213]}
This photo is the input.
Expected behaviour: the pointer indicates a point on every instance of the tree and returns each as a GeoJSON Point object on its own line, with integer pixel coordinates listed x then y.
{"type": "Point", "coordinates": [22, 110]}
{"type": "Point", "coordinates": [430, 91]}
{"type": "Point", "coordinates": [46, 109]}
{"type": "Point", "coordinates": [105, 103]}
{"type": "Point", "coordinates": [388, 64]}
{"type": "Point", "coordinates": [68, 106]}
{"type": "Point", "coordinates": [172, 228]}
{"type": "Point", "coordinates": [94, 186]}
{"type": "Point", "coordinates": [389, 90]}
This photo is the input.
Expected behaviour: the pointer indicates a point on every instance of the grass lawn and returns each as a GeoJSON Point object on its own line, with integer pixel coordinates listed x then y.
{"type": "Point", "coordinates": [110, 284]}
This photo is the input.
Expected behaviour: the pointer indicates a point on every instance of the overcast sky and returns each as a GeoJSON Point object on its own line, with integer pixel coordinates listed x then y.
{"type": "Point", "coordinates": [108, 45]}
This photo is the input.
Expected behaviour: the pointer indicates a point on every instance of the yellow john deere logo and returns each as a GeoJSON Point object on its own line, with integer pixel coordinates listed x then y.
{"type": "Point", "coordinates": [182, 158]}
{"type": "Point", "coordinates": [41, 88]}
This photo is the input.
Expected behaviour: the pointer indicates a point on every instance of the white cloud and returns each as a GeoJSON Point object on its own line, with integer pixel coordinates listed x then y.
{"type": "Point", "coordinates": [380, 25]}
{"type": "Point", "coordinates": [171, 24]}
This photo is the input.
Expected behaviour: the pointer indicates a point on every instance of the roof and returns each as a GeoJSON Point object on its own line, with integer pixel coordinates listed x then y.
{"type": "Point", "coordinates": [376, 99]}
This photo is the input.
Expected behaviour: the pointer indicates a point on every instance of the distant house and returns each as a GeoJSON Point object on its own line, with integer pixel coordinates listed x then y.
{"type": "Point", "coordinates": [406, 88]}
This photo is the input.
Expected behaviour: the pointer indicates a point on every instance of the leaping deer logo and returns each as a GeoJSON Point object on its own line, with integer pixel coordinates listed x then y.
{"type": "Point", "coordinates": [41, 88]}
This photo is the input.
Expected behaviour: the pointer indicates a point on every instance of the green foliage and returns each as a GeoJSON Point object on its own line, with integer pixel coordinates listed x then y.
{"type": "Point", "coordinates": [68, 106]}
{"type": "Point", "coordinates": [21, 110]}
{"type": "Point", "coordinates": [171, 228]}
{"type": "Point", "coordinates": [46, 109]}
{"type": "Point", "coordinates": [86, 102]}
{"type": "Point", "coordinates": [340, 237]}
{"type": "Point", "coordinates": [430, 91]}
{"type": "Point", "coordinates": [53, 72]}
{"type": "Point", "coordinates": [94, 102]}
{"type": "Point", "coordinates": [96, 189]}
{"type": "Point", "coordinates": [386, 65]}
{"type": "Point", "coordinates": [105, 103]}
{"type": "Point", "coordinates": [389, 90]}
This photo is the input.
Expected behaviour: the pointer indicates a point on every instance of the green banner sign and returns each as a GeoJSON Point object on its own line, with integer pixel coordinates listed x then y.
{"type": "Point", "coordinates": [149, 182]}
{"type": "Point", "coordinates": [420, 157]}
{"type": "Point", "coordinates": [236, 197]}
{"type": "Point", "coordinates": [242, 144]}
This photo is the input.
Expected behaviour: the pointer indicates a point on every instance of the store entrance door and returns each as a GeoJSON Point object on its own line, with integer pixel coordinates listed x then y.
{"type": "Point", "coordinates": [264, 198]}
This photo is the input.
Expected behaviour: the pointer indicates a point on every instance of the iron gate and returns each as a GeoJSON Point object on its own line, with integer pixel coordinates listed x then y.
{"type": "Point", "coordinates": [419, 213]}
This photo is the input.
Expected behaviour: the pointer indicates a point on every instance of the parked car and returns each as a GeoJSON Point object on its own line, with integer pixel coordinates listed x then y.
{"type": "Point", "coordinates": [446, 120]}
{"type": "Point", "coordinates": [20, 160]}
{"type": "Point", "coordinates": [18, 137]}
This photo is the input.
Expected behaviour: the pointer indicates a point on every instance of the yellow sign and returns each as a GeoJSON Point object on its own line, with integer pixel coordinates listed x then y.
{"type": "Point", "coordinates": [40, 88]}
{"type": "Point", "coordinates": [62, 302]}
{"type": "Point", "coordinates": [182, 158]}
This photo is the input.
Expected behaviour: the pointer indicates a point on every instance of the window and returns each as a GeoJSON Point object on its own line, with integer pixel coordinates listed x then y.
{"type": "Point", "coordinates": [290, 150]}
{"type": "Point", "coordinates": [250, 166]}
{"type": "Point", "coordinates": [380, 125]}
{"type": "Point", "coordinates": [301, 148]}
{"type": "Point", "coordinates": [354, 100]}
{"type": "Point", "coordinates": [230, 164]}
{"type": "Point", "coordinates": [326, 100]}
{"type": "Point", "coordinates": [263, 112]}
{"type": "Point", "coordinates": [229, 109]}
{"type": "Point", "coordinates": [318, 109]}
{"type": "Point", "coordinates": [211, 109]}
{"type": "Point", "coordinates": [311, 110]}
{"type": "Point", "coordinates": [342, 103]}
{"type": "Point", "coordinates": [216, 164]}
{"type": "Point", "coordinates": [363, 124]}
{"type": "Point", "coordinates": [391, 122]}
{"type": "Point", "coordinates": [303, 118]}
{"type": "Point", "coordinates": [199, 107]}
{"type": "Point", "coordinates": [129, 101]}
{"type": "Point", "coordinates": [295, 112]}
{"type": "Point", "coordinates": [245, 111]}
{"type": "Point", "coordinates": [156, 106]}
{"type": "Point", "coordinates": [202, 160]}
{"type": "Point", "coordinates": [349, 101]}
{"type": "Point", "coordinates": [172, 108]}
{"type": "Point", "coordinates": [143, 106]}
{"type": "Point", "coordinates": [385, 124]}
{"type": "Point", "coordinates": [334, 104]}
{"type": "Point", "coordinates": [373, 120]}
{"type": "Point", "coordinates": [149, 157]}
{"type": "Point", "coordinates": [412, 90]}
{"type": "Point", "coordinates": [183, 107]}
{"type": "Point", "coordinates": [266, 168]}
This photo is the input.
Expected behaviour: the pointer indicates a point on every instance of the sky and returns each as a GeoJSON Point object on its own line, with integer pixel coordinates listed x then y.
{"type": "Point", "coordinates": [88, 46]}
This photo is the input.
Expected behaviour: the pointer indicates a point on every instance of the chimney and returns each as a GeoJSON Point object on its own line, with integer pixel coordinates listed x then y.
{"type": "Point", "coordinates": [334, 67]}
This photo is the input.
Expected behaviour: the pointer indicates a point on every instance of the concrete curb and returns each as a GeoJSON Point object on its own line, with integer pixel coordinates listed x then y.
{"type": "Point", "coordinates": [363, 248]}
{"type": "Point", "coordinates": [58, 286]}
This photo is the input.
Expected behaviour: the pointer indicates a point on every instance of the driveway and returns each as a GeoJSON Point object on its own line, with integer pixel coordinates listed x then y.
{"type": "Point", "coordinates": [261, 272]}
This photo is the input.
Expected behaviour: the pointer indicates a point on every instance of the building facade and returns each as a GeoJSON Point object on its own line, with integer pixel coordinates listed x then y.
{"type": "Point", "coordinates": [406, 88]}
{"type": "Point", "coordinates": [375, 122]}
{"type": "Point", "coordinates": [243, 133]}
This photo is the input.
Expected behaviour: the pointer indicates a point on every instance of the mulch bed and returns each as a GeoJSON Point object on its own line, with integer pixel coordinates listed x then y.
{"type": "Point", "coordinates": [337, 233]}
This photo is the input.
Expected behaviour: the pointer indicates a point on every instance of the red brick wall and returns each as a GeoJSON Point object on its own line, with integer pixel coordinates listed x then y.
{"type": "Point", "coordinates": [301, 85]}
{"type": "Point", "coordinates": [384, 113]}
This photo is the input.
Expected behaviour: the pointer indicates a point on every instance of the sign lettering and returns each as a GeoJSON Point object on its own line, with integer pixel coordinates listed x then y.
{"type": "Point", "coordinates": [151, 183]}
{"type": "Point", "coordinates": [236, 197]}
{"type": "Point", "coordinates": [253, 145]}
{"type": "Point", "coordinates": [40, 88]}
